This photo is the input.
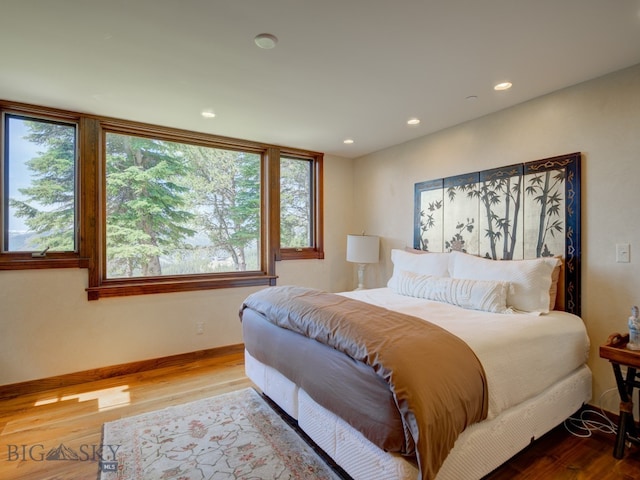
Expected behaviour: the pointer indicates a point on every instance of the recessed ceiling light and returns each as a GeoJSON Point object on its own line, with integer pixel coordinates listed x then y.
{"type": "Point", "coordinates": [503, 86]}
{"type": "Point", "coordinates": [472, 98]}
{"type": "Point", "coordinates": [208, 114]}
{"type": "Point", "coordinates": [266, 40]}
{"type": "Point", "coordinates": [413, 121]}
{"type": "Point", "coordinates": [348, 141]}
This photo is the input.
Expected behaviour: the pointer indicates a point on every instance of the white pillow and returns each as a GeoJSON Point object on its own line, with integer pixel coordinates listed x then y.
{"type": "Point", "coordinates": [485, 295]}
{"type": "Point", "coordinates": [530, 279]}
{"type": "Point", "coordinates": [421, 263]}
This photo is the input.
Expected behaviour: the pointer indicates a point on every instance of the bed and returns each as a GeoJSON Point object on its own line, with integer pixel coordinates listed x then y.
{"type": "Point", "coordinates": [532, 370]}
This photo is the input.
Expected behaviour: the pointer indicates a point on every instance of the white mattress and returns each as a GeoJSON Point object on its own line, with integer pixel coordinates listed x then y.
{"type": "Point", "coordinates": [480, 449]}
{"type": "Point", "coordinates": [522, 354]}
{"type": "Point", "coordinates": [536, 374]}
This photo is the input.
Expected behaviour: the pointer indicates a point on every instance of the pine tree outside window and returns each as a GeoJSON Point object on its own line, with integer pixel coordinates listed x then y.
{"type": "Point", "coordinates": [151, 209]}
{"type": "Point", "coordinates": [300, 215]}
{"type": "Point", "coordinates": [296, 213]}
{"type": "Point", "coordinates": [180, 209]}
{"type": "Point", "coordinates": [39, 190]}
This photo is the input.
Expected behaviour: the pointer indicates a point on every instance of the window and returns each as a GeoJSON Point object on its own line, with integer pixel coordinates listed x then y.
{"type": "Point", "coordinates": [150, 209]}
{"type": "Point", "coordinates": [180, 209]}
{"type": "Point", "coordinates": [186, 211]}
{"type": "Point", "coordinates": [296, 214]}
{"type": "Point", "coordinates": [39, 191]}
{"type": "Point", "coordinates": [300, 235]}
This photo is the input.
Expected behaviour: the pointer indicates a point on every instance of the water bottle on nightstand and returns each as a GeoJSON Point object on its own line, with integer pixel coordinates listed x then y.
{"type": "Point", "coordinates": [634, 330]}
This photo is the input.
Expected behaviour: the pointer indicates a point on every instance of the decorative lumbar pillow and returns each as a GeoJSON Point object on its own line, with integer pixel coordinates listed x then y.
{"type": "Point", "coordinates": [421, 263]}
{"type": "Point", "coordinates": [485, 295]}
{"type": "Point", "coordinates": [530, 279]}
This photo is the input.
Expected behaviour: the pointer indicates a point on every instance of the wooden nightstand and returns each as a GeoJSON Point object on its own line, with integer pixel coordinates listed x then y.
{"type": "Point", "coordinates": [616, 351]}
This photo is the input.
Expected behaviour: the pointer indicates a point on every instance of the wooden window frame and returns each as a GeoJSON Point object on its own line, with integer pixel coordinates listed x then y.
{"type": "Point", "coordinates": [100, 286]}
{"type": "Point", "coordinates": [316, 250]}
{"type": "Point", "coordinates": [25, 260]}
{"type": "Point", "coordinates": [90, 221]}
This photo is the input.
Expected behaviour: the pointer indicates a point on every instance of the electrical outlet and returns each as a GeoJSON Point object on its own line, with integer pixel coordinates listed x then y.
{"type": "Point", "coordinates": [199, 328]}
{"type": "Point", "coordinates": [623, 252]}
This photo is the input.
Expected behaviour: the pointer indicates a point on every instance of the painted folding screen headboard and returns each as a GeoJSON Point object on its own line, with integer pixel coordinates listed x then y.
{"type": "Point", "coordinates": [520, 211]}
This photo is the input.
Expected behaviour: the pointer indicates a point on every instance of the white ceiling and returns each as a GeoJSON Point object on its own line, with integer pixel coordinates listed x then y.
{"type": "Point", "coordinates": [342, 68]}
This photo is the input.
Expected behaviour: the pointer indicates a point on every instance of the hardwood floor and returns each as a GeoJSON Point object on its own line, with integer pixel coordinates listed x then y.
{"type": "Point", "coordinates": [74, 416]}
{"type": "Point", "coordinates": [560, 456]}
{"type": "Point", "coordinates": [33, 424]}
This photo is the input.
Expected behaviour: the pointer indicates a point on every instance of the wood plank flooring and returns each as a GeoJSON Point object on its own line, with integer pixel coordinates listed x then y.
{"type": "Point", "coordinates": [32, 424]}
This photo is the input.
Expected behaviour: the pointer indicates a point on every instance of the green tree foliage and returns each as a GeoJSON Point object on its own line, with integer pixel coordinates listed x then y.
{"type": "Point", "coordinates": [146, 216]}
{"type": "Point", "coordinates": [295, 202]}
{"type": "Point", "coordinates": [225, 196]}
{"type": "Point", "coordinates": [49, 209]}
{"type": "Point", "coordinates": [171, 208]}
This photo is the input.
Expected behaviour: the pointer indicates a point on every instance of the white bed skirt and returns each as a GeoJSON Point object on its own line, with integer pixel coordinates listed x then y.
{"type": "Point", "coordinates": [479, 450]}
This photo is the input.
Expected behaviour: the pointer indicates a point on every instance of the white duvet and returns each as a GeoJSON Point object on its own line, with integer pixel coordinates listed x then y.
{"type": "Point", "coordinates": [521, 354]}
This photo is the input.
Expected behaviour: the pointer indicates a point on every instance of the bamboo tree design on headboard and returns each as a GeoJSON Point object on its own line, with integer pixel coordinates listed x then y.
{"type": "Point", "coordinates": [548, 196]}
{"type": "Point", "coordinates": [501, 186]}
{"type": "Point", "coordinates": [520, 211]}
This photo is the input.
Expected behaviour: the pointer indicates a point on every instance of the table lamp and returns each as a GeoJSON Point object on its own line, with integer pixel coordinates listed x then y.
{"type": "Point", "coordinates": [362, 249]}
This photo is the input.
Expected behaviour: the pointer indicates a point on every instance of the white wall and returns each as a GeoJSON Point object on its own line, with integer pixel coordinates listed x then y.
{"type": "Point", "coordinates": [48, 328]}
{"type": "Point", "coordinates": [601, 119]}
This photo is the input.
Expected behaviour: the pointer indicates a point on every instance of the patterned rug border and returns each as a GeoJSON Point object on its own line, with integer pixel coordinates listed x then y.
{"type": "Point", "coordinates": [294, 425]}
{"type": "Point", "coordinates": [161, 443]}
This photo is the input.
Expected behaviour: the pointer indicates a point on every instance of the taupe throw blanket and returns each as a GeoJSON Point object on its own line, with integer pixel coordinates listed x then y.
{"type": "Point", "coordinates": [438, 383]}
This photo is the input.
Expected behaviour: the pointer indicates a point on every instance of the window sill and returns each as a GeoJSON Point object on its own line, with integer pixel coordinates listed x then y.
{"type": "Point", "coordinates": [119, 289]}
{"type": "Point", "coordinates": [300, 254]}
{"type": "Point", "coordinates": [43, 263]}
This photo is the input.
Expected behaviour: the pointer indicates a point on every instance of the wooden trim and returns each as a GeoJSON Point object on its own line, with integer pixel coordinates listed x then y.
{"type": "Point", "coordinates": [272, 199]}
{"type": "Point", "coordinates": [42, 263]}
{"type": "Point", "coordinates": [90, 152]}
{"type": "Point", "coordinates": [102, 287]}
{"type": "Point", "coordinates": [301, 253]}
{"type": "Point", "coordinates": [24, 260]}
{"type": "Point", "coordinates": [91, 208]}
{"type": "Point", "coordinates": [154, 285]}
{"type": "Point", "coordinates": [319, 220]}
{"type": "Point", "coordinates": [316, 251]}
{"type": "Point", "coordinates": [70, 379]}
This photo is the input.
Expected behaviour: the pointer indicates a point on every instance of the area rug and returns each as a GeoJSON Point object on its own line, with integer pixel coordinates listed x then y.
{"type": "Point", "coordinates": [231, 436]}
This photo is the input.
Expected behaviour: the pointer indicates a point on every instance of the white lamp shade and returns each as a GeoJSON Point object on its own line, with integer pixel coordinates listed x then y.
{"type": "Point", "coordinates": [363, 248]}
